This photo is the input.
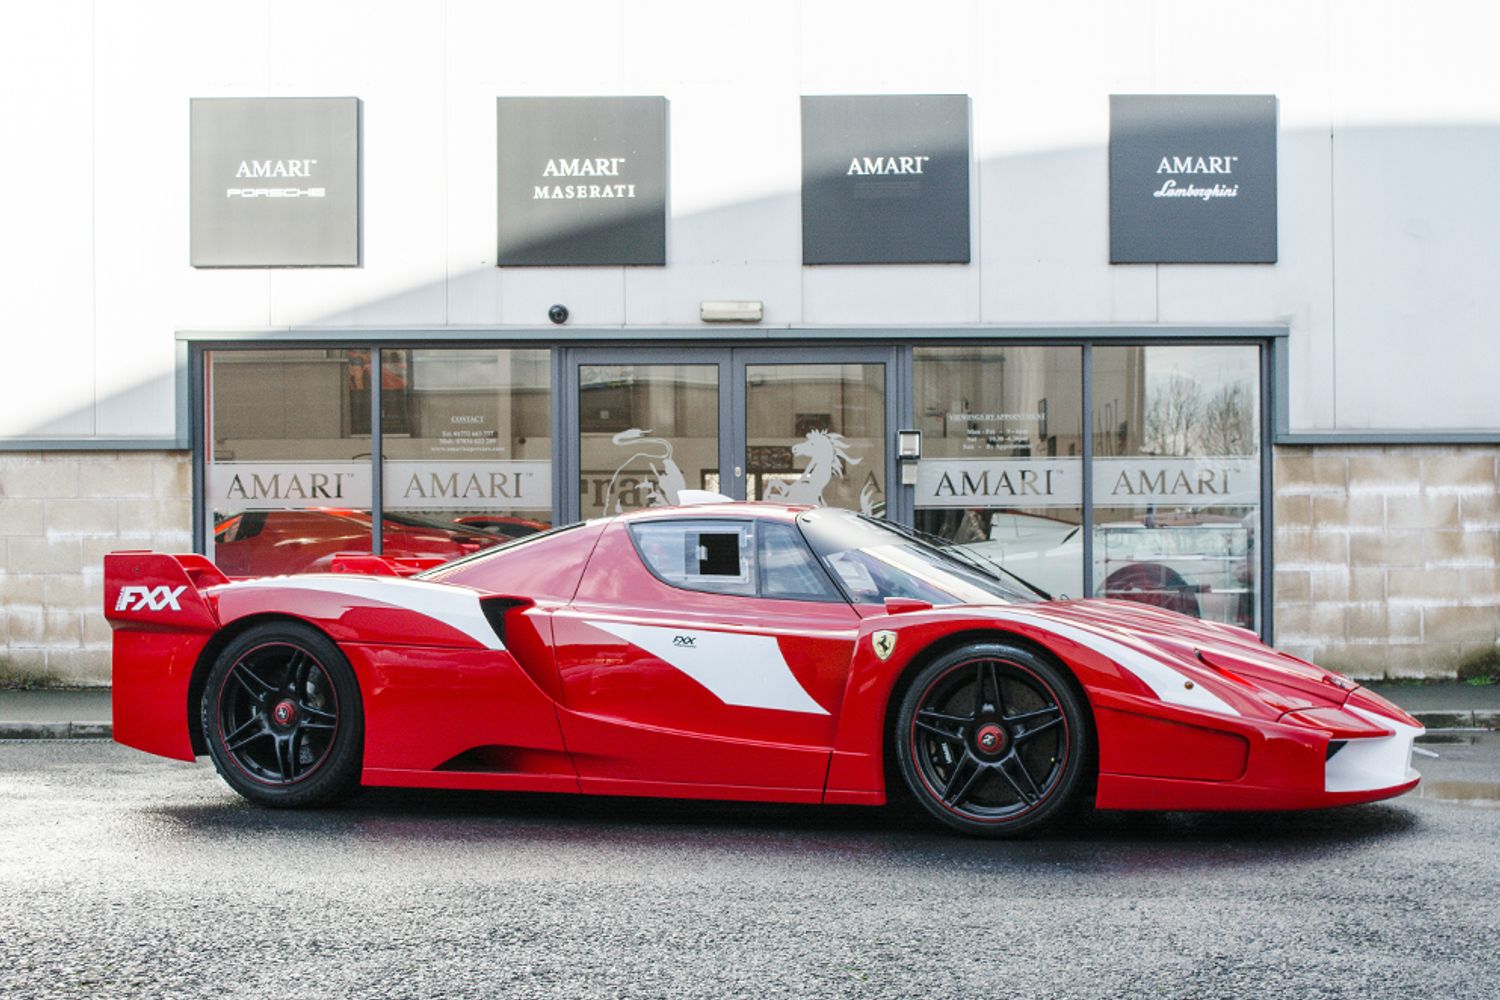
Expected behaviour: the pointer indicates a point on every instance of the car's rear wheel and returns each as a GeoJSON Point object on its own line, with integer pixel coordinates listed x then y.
{"type": "Point", "coordinates": [282, 718]}
{"type": "Point", "coordinates": [991, 739]}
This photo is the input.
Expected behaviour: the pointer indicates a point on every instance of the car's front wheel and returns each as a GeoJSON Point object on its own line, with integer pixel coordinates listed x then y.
{"type": "Point", "coordinates": [991, 739]}
{"type": "Point", "coordinates": [282, 718]}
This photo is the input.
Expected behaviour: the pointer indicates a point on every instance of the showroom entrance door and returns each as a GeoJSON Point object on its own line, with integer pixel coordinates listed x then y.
{"type": "Point", "coordinates": [801, 425]}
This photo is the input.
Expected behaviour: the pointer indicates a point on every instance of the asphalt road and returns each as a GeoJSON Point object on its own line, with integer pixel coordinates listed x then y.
{"type": "Point", "coordinates": [125, 875]}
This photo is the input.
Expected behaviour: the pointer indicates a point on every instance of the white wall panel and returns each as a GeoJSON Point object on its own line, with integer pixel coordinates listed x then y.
{"type": "Point", "coordinates": [734, 229]}
{"type": "Point", "coordinates": [1416, 147]}
{"type": "Point", "coordinates": [390, 55]}
{"type": "Point", "coordinates": [849, 48]}
{"type": "Point", "coordinates": [149, 60]}
{"type": "Point", "coordinates": [1283, 50]}
{"type": "Point", "coordinates": [1390, 129]}
{"type": "Point", "coordinates": [1041, 129]}
{"type": "Point", "coordinates": [46, 250]}
{"type": "Point", "coordinates": [517, 50]}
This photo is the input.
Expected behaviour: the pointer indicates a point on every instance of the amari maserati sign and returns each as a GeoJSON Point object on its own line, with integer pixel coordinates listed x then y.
{"type": "Point", "coordinates": [1192, 179]}
{"type": "Point", "coordinates": [582, 180]}
{"type": "Point", "coordinates": [885, 179]}
{"type": "Point", "coordinates": [275, 182]}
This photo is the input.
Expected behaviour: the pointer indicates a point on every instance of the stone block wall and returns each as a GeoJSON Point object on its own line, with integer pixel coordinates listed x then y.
{"type": "Point", "coordinates": [1387, 559]}
{"type": "Point", "coordinates": [59, 513]}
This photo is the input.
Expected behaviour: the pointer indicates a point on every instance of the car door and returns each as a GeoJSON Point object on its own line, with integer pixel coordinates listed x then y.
{"type": "Point", "coordinates": [703, 654]}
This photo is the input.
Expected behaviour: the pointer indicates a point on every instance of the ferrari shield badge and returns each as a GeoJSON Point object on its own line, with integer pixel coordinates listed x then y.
{"type": "Point", "coordinates": [884, 642]}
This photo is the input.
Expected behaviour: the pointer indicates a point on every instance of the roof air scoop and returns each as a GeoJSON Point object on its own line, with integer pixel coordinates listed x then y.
{"type": "Point", "coordinates": [688, 498]}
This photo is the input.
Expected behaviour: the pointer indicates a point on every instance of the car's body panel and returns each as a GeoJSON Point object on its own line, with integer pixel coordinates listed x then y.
{"type": "Point", "coordinates": [162, 622]}
{"type": "Point", "coordinates": [150, 706]}
{"type": "Point", "coordinates": [564, 663]}
{"type": "Point", "coordinates": [655, 680]}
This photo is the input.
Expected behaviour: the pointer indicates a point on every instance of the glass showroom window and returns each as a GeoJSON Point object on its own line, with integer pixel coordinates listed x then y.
{"type": "Point", "coordinates": [467, 442]}
{"type": "Point", "coordinates": [646, 432]}
{"type": "Point", "coordinates": [1177, 485]}
{"type": "Point", "coordinates": [1001, 468]}
{"type": "Point", "coordinates": [287, 479]}
{"type": "Point", "coordinates": [815, 433]}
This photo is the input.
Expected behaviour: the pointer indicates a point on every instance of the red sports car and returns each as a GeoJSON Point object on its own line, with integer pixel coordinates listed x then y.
{"type": "Point", "coordinates": [734, 651]}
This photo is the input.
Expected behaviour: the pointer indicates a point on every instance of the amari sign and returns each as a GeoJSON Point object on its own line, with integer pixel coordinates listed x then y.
{"type": "Point", "coordinates": [237, 486]}
{"type": "Point", "coordinates": [459, 485]}
{"type": "Point", "coordinates": [468, 485]}
{"type": "Point", "coordinates": [583, 180]}
{"type": "Point", "coordinates": [885, 179]}
{"type": "Point", "coordinates": [1058, 482]}
{"type": "Point", "coordinates": [1192, 179]}
{"type": "Point", "coordinates": [275, 182]}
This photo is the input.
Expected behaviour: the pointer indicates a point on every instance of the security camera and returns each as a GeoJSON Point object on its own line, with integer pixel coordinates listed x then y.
{"type": "Point", "coordinates": [558, 314]}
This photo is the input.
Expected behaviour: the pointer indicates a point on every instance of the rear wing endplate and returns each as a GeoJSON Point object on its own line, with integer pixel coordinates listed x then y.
{"type": "Point", "coordinates": [159, 591]}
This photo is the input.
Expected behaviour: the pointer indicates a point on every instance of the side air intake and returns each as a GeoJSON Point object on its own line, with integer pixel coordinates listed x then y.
{"type": "Point", "coordinates": [494, 609]}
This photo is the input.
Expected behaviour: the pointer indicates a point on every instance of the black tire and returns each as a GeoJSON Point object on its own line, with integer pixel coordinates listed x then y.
{"type": "Point", "coordinates": [992, 740]}
{"type": "Point", "coordinates": [282, 717]}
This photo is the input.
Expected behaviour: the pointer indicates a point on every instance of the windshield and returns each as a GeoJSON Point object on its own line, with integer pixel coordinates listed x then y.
{"type": "Point", "coordinates": [873, 560]}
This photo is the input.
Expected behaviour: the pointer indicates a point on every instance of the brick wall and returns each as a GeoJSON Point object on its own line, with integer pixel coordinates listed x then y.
{"type": "Point", "coordinates": [1387, 559]}
{"type": "Point", "coordinates": [59, 513]}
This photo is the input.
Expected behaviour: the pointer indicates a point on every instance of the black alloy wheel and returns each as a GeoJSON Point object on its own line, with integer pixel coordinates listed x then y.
{"type": "Point", "coordinates": [282, 718]}
{"type": "Point", "coordinates": [991, 739]}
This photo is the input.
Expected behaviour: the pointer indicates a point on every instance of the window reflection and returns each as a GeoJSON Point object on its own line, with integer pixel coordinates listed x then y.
{"type": "Point", "coordinates": [1002, 432]}
{"type": "Point", "coordinates": [1177, 478]}
{"type": "Point", "coordinates": [467, 461]}
{"type": "Point", "coordinates": [288, 476]}
{"type": "Point", "coordinates": [467, 442]}
{"type": "Point", "coordinates": [646, 432]}
{"type": "Point", "coordinates": [815, 434]}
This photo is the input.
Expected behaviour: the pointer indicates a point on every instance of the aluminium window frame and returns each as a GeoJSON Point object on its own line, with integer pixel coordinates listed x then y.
{"type": "Point", "coordinates": [1271, 340]}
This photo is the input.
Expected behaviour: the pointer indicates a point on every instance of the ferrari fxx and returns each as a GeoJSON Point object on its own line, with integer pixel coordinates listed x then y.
{"type": "Point", "coordinates": [730, 651]}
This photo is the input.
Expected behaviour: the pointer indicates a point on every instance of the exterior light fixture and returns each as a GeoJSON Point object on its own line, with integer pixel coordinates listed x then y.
{"type": "Point", "coordinates": [731, 311]}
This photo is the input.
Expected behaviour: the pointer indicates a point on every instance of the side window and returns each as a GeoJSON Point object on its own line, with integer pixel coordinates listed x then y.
{"type": "Point", "coordinates": [856, 576]}
{"type": "Point", "coordinates": [717, 556]}
{"type": "Point", "coordinates": [787, 568]}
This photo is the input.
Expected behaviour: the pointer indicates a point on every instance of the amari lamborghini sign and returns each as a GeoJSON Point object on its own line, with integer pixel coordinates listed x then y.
{"type": "Point", "coordinates": [1192, 179]}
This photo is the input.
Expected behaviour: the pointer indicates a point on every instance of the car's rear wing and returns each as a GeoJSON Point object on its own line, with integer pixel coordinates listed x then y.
{"type": "Point", "coordinates": [155, 590]}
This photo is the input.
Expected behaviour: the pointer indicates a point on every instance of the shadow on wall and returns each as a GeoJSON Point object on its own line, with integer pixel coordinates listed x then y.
{"type": "Point", "coordinates": [1410, 268]}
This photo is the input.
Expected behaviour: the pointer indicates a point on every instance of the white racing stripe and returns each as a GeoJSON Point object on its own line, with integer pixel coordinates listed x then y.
{"type": "Point", "coordinates": [1379, 762]}
{"type": "Point", "coordinates": [456, 607]}
{"type": "Point", "coordinates": [745, 670]}
{"type": "Point", "coordinates": [1169, 685]}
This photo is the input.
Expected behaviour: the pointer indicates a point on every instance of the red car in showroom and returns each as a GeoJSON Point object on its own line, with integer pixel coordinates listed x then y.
{"type": "Point", "coordinates": [731, 651]}
{"type": "Point", "coordinates": [267, 542]}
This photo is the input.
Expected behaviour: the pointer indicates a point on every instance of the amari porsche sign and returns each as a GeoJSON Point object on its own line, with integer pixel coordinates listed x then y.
{"type": "Point", "coordinates": [583, 180]}
{"type": "Point", "coordinates": [1192, 179]}
{"type": "Point", "coordinates": [885, 179]}
{"type": "Point", "coordinates": [275, 182]}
